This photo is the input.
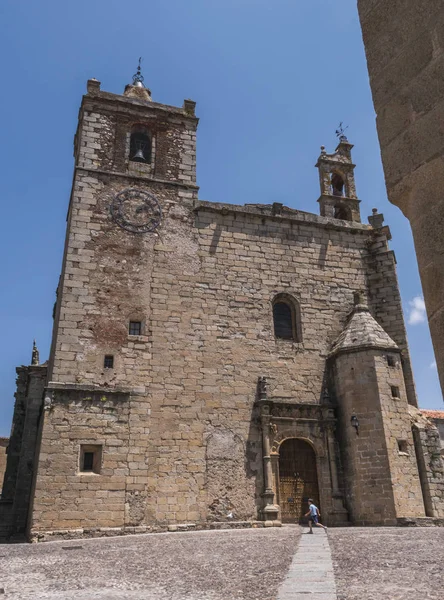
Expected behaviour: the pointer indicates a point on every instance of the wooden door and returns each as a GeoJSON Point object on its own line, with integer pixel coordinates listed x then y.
{"type": "Point", "coordinates": [298, 480]}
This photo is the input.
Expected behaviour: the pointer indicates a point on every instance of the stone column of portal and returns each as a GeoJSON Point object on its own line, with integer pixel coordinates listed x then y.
{"type": "Point", "coordinates": [331, 458]}
{"type": "Point", "coordinates": [271, 510]}
{"type": "Point", "coordinates": [339, 514]}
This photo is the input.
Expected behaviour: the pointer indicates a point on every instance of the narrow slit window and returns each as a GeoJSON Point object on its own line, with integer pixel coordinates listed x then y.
{"type": "Point", "coordinates": [108, 361]}
{"type": "Point", "coordinates": [395, 391]}
{"type": "Point", "coordinates": [90, 459]}
{"type": "Point", "coordinates": [403, 447]}
{"type": "Point", "coordinates": [391, 360]}
{"type": "Point", "coordinates": [135, 328]}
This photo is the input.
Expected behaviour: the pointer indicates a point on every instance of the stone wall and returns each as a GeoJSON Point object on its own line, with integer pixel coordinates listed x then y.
{"type": "Point", "coordinates": [430, 462]}
{"type": "Point", "coordinates": [368, 489]}
{"type": "Point", "coordinates": [437, 417]}
{"type": "Point", "coordinates": [17, 492]}
{"type": "Point", "coordinates": [404, 42]}
{"type": "Point", "coordinates": [16, 439]}
{"type": "Point", "coordinates": [68, 497]}
{"type": "Point", "coordinates": [399, 442]}
{"type": "Point", "coordinates": [385, 300]}
{"type": "Point", "coordinates": [381, 474]}
{"type": "Point", "coordinates": [204, 295]}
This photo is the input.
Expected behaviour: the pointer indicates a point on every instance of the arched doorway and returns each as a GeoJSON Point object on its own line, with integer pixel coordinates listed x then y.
{"type": "Point", "coordinates": [298, 479]}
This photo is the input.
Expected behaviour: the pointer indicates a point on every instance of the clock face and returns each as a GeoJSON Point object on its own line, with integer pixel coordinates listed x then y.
{"type": "Point", "coordinates": [136, 210]}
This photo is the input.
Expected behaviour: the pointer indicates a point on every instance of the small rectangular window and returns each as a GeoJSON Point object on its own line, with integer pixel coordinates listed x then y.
{"type": "Point", "coordinates": [90, 458]}
{"type": "Point", "coordinates": [135, 328]}
{"type": "Point", "coordinates": [395, 391]}
{"type": "Point", "coordinates": [391, 360]}
{"type": "Point", "coordinates": [403, 447]}
{"type": "Point", "coordinates": [108, 362]}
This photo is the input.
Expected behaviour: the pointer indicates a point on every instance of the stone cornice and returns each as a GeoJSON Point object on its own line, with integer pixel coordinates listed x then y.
{"type": "Point", "coordinates": [54, 386]}
{"type": "Point", "coordinates": [115, 102]}
{"type": "Point", "coordinates": [145, 178]}
{"type": "Point", "coordinates": [287, 215]}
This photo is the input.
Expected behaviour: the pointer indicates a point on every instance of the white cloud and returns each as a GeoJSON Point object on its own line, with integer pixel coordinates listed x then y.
{"type": "Point", "coordinates": [417, 312]}
{"type": "Point", "coordinates": [433, 365]}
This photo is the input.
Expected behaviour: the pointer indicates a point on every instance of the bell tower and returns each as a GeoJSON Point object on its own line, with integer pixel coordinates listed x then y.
{"type": "Point", "coordinates": [337, 180]}
{"type": "Point", "coordinates": [134, 184]}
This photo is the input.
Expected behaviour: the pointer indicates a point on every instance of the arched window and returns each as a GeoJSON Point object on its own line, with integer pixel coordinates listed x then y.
{"type": "Point", "coordinates": [140, 146]}
{"type": "Point", "coordinates": [337, 185]}
{"type": "Point", "coordinates": [286, 318]}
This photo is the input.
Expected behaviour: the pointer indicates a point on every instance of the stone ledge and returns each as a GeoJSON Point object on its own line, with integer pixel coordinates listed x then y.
{"type": "Point", "coordinates": [144, 178]}
{"type": "Point", "coordinates": [118, 101]}
{"type": "Point", "coordinates": [55, 386]}
{"type": "Point", "coordinates": [420, 522]}
{"type": "Point", "coordinates": [287, 214]}
{"type": "Point", "coordinates": [96, 532]}
{"type": "Point", "coordinates": [57, 393]}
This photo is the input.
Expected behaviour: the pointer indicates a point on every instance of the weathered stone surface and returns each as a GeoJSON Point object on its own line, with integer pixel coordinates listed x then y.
{"type": "Point", "coordinates": [437, 417]}
{"type": "Point", "coordinates": [404, 41]}
{"type": "Point", "coordinates": [428, 447]}
{"type": "Point", "coordinates": [22, 454]}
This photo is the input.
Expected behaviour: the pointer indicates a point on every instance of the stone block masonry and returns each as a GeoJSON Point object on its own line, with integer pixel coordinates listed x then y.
{"type": "Point", "coordinates": [204, 296]}
{"type": "Point", "coordinates": [404, 42]}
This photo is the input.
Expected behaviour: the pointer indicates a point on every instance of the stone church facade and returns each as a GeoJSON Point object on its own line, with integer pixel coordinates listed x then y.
{"type": "Point", "coordinates": [214, 363]}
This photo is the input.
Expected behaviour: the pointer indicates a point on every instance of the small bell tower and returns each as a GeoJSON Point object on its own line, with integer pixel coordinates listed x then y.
{"type": "Point", "coordinates": [337, 179]}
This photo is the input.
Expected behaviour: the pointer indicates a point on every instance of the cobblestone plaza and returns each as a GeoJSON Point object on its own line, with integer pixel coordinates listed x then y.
{"type": "Point", "coordinates": [368, 564]}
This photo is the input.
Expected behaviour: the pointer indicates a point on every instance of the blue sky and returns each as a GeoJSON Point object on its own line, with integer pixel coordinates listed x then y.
{"type": "Point", "coordinates": [272, 80]}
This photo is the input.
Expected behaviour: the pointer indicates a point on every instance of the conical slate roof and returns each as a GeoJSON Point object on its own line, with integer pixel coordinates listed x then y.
{"type": "Point", "coordinates": [362, 331]}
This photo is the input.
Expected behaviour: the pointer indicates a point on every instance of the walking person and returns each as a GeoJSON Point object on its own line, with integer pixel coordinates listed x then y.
{"type": "Point", "coordinates": [313, 516]}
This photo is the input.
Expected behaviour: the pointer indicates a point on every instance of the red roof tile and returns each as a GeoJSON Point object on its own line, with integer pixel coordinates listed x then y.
{"type": "Point", "coordinates": [433, 414]}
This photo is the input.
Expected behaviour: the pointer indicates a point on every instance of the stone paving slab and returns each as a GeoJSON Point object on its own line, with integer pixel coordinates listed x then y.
{"type": "Point", "coordinates": [311, 573]}
{"type": "Point", "coordinates": [388, 563]}
{"type": "Point", "coordinates": [206, 565]}
{"type": "Point", "coordinates": [369, 564]}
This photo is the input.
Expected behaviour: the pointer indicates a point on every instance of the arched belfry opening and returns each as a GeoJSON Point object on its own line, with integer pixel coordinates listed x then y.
{"type": "Point", "coordinates": [140, 146]}
{"type": "Point", "coordinates": [337, 185]}
{"type": "Point", "coordinates": [298, 479]}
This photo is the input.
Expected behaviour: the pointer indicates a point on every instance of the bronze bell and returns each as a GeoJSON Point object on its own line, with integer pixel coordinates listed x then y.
{"type": "Point", "coordinates": [139, 155]}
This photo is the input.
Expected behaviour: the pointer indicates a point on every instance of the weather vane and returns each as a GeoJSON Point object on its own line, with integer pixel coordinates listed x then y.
{"type": "Point", "coordinates": [138, 77]}
{"type": "Point", "coordinates": [340, 132]}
